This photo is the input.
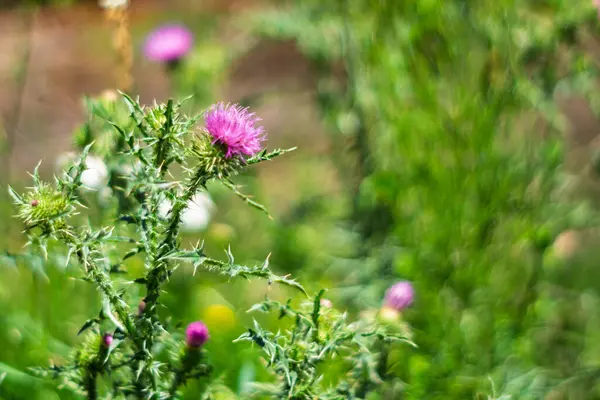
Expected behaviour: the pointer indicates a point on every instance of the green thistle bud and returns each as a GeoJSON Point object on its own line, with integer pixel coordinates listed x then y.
{"type": "Point", "coordinates": [212, 159]}
{"type": "Point", "coordinates": [42, 205]}
{"type": "Point", "coordinates": [156, 116]}
{"type": "Point", "coordinates": [92, 346]}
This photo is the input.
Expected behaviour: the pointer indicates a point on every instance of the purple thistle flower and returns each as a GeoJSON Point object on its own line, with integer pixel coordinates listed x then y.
{"type": "Point", "coordinates": [234, 127]}
{"type": "Point", "coordinates": [107, 339]}
{"type": "Point", "coordinates": [400, 295]}
{"type": "Point", "coordinates": [168, 43]}
{"type": "Point", "coordinates": [196, 334]}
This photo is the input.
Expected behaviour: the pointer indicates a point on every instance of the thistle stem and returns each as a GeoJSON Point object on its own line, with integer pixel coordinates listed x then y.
{"type": "Point", "coordinates": [103, 282]}
{"type": "Point", "coordinates": [160, 271]}
{"type": "Point", "coordinates": [90, 385]}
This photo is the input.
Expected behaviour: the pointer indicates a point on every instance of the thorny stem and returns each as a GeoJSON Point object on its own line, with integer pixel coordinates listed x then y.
{"type": "Point", "coordinates": [90, 385]}
{"type": "Point", "coordinates": [159, 272]}
{"type": "Point", "coordinates": [382, 366]}
{"type": "Point", "coordinates": [103, 282]}
{"type": "Point", "coordinates": [190, 359]}
{"type": "Point", "coordinates": [199, 180]}
{"type": "Point", "coordinates": [163, 145]}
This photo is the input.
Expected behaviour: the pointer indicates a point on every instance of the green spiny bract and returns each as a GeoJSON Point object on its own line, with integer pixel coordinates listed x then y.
{"type": "Point", "coordinates": [43, 205]}
{"type": "Point", "coordinates": [211, 158]}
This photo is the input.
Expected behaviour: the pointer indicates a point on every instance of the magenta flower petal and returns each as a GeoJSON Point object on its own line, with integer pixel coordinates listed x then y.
{"type": "Point", "coordinates": [107, 339]}
{"type": "Point", "coordinates": [168, 43]}
{"type": "Point", "coordinates": [400, 295]}
{"type": "Point", "coordinates": [235, 128]}
{"type": "Point", "coordinates": [196, 334]}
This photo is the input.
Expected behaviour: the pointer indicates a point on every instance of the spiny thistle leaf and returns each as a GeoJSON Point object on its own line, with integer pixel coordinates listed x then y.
{"type": "Point", "coordinates": [233, 270]}
{"type": "Point", "coordinates": [228, 184]}
{"type": "Point", "coordinates": [267, 156]}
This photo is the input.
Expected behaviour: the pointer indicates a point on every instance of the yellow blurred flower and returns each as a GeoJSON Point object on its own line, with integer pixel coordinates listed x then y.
{"type": "Point", "coordinates": [219, 317]}
{"type": "Point", "coordinates": [222, 232]}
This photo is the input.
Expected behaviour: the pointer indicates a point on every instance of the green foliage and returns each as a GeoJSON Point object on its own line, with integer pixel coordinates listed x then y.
{"type": "Point", "coordinates": [451, 109]}
{"type": "Point", "coordinates": [318, 334]}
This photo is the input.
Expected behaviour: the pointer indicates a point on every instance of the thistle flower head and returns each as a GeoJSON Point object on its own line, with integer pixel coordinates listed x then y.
{"type": "Point", "coordinates": [196, 334]}
{"type": "Point", "coordinates": [234, 127]}
{"type": "Point", "coordinates": [399, 296]}
{"type": "Point", "coordinates": [168, 43]}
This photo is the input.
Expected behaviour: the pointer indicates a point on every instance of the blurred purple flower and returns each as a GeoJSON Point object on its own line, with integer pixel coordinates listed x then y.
{"type": "Point", "coordinates": [107, 339]}
{"type": "Point", "coordinates": [168, 43]}
{"type": "Point", "coordinates": [196, 334]}
{"type": "Point", "coordinates": [141, 307]}
{"type": "Point", "coordinates": [234, 127]}
{"type": "Point", "coordinates": [400, 295]}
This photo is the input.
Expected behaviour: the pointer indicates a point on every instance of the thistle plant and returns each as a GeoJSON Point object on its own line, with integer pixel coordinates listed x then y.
{"type": "Point", "coordinates": [161, 137]}
{"type": "Point", "coordinates": [318, 334]}
{"type": "Point", "coordinates": [129, 350]}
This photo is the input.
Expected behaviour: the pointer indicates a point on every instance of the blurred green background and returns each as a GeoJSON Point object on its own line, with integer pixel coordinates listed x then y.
{"type": "Point", "coordinates": [449, 143]}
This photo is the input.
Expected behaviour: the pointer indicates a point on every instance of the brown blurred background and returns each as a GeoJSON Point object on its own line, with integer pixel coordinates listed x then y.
{"type": "Point", "coordinates": [51, 56]}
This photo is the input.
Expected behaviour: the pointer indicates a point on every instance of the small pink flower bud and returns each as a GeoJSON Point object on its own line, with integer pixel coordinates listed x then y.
{"type": "Point", "coordinates": [107, 339]}
{"type": "Point", "coordinates": [34, 203]}
{"type": "Point", "coordinates": [399, 296]}
{"type": "Point", "coordinates": [141, 307]}
{"type": "Point", "coordinates": [196, 334]}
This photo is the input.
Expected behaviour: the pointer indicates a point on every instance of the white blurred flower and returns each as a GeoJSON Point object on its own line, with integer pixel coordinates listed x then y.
{"type": "Point", "coordinates": [96, 175]}
{"type": "Point", "coordinates": [113, 3]}
{"type": "Point", "coordinates": [130, 170]}
{"type": "Point", "coordinates": [198, 213]}
{"type": "Point", "coordinates": [196, 216]}
{"type": "Point", "coordinates": [105, 196]}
